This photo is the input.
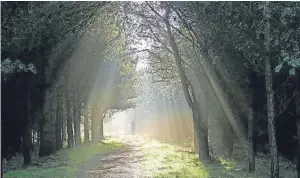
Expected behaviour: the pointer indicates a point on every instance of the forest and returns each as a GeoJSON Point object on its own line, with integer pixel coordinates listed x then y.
{"type": "Point", "coordinates": [67, 68]}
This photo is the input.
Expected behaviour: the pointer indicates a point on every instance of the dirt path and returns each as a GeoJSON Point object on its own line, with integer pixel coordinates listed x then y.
{"type": "Point", "coordinates": [123, 163]}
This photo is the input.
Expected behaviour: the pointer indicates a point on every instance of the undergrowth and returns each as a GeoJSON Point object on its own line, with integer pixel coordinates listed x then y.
{"type": "Point", "coordinates": [64, 163]}
{"type": "Point", "coordinates": [174, 161]}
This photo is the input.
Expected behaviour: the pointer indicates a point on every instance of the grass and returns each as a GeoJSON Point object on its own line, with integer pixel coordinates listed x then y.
{"type": "Point", "coordinates": [64, 163]}
{"type": "Point", "coordinates": [170, 161]}
{"type": "Point", "coordinates": [161, 160]}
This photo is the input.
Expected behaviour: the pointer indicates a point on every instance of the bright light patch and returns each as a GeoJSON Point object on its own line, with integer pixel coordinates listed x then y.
{"type": "Point", "coordinates": [141, 65]}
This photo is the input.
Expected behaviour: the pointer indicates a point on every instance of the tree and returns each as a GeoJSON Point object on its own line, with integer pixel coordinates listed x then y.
{"type": "Point", "coordinates": [76, 117]}
{"type": "Point", "coordinates": [200, 128]}
{"type": "Point", "coordinates": [241, 25]}
{"type": "Point", "coordinates": [69, 118]}
{"type": "Point", "coordinates": [58, 122]}
{"type": "Point", "coordinates": [164, 40]}
{"type": "Point", "coordinates": [86, 122]}
{"type": "Point", "coordinates": [270, 98]}
{"type": "Point", "coordinates": [27, 24]}
{"type": "Point", "coordinates": [251, 125]}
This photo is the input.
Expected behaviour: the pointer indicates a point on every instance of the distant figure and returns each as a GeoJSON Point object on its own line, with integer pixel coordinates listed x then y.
{"type": "Point", "coordinates": [133, 127]}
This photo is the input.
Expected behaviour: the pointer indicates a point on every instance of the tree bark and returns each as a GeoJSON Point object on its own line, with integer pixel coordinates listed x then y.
{"type": "Point", "coordinates": [27, 132]}
{"type": "Point", "coordinates": [33, 139]}
{"type": "Point", "coordinates": [58, 122]}
{"type": "Point", "coordinates": [38, 136]}
{"type": "Point", "coordinates": [47, 133]}
{"type": "Point", "coordinates": [201, 131]}
{"type": "Point", "coordinates": [271, 120]}
{"type": "Point", "coordinates": [69, 120]}
{"type": "Point", "coordinates": [64, 124]}
{"type": "Point", "coordinates": [95, 131]}
{"type": "Point", "coordinates": [270, 98]}
{"type": "Point", "coordinates": [63, 132]}
{"type": "Point", "coordinates": [76, 119]}
{"type": "Point", "coordinates": [298, 142]}
{"type": "Point", "coordinates": [204, 145]}
{"type": "Point", "coordinates": [74, 112]}
{"type": "Point", "coordinates": [297, 101]}
{"type": "Point", "coordinates": [41, 132]}
{"type": "Point", "coordinates": [52, 115]}
{"type": "Point", "coordinates": [79, 120]}
{"type": "Point", "coordinates": [86, 124]}
{"type": "Point", "coordinates": [101, 134]}
{"type": "Point", "coordinates": [251, 126]}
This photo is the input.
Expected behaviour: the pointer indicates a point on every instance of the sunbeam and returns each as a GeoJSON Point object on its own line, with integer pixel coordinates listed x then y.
{"type": "Point", "coordinates": [150, 89]}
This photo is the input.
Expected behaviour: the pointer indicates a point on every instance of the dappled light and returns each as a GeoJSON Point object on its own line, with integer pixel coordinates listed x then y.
{"type": "Point", "coordinates": [150, 89]}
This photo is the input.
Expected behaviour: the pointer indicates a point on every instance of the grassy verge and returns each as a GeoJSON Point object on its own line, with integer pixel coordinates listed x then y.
{"type": "Point", "coordinates": [64, 163]}
{"type": "Point", "coordinates": [170, 161]}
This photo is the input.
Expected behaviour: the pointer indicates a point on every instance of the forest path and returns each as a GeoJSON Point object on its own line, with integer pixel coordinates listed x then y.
{"type": "Point", "coordinates": [122, 163]}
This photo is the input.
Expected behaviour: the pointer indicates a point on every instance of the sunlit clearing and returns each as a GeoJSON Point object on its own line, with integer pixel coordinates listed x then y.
{"type": "Point", "coordinates": [165, 160]}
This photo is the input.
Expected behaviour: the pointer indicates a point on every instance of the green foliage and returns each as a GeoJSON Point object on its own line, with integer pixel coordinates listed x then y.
{"type": "Point", "coordinates": [241, 25]}
{"type": "Point", "coordinates": [278, 68]}
{"type": "Point", "coordinates": [8, 67]}
{"type": "Point", "coordinates": [292, 71]}
{"type": "Point", "coordinates": [292, 61]}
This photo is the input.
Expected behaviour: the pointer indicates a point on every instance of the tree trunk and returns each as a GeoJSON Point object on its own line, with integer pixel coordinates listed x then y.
{"type": "Point", "coordinates": [101, 135]}
{"type": "Point", "coordinates": [27, 132]}
{"type": "Point", "coordinates": [38, 137]}
{"type": "Point", "coordinates": [79, 121]}
{"type": "Point", "coordinates": [32, 139]}
{"type": "Point", "coordinates": [201, 130]}
{"type": "Point", "coordinates": [63, 132]}
{"type": "Point", "coordinates": [298, 144]}
{"type": "Point", "coordinates": [58, 122]}
{"type": "Point", "coordinates": [95, 130]}
{"type": "Point", "coordinates": [76, 119]}
{"type": "Point", "coordinates": [53, 122]}
{"type": "Point", "coordinates": [74, 112]}
{"type": "Point", "coordinates": [47, 133]}
{"type": "Point", "coordinates": [86, 124]}
{"type": "Point", "coordinates": [203, 144]}
{"type": "Point", "coordinates": [270, 99]}
{"type": "Point", "coordinates": [69, 120]}
{"type": "Point", "coordinates": [64, 124]}
{"type": "Point", "coordinates": [229, 141]}
{"type": "Point", "coordinates": [271, 119]}
{"type": "Point", "coordinates": [201, 139]}
{"type": "Point", "coordinates": [251, 125]}
{"type": "Point", "coordinates": [297, 101]}
{"type": "Point", "coordinates": [2, 165]}
{"type": "Point", "coordinates": [196, 141]}
{"type": "Point", "coordinates": [41, 131]}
